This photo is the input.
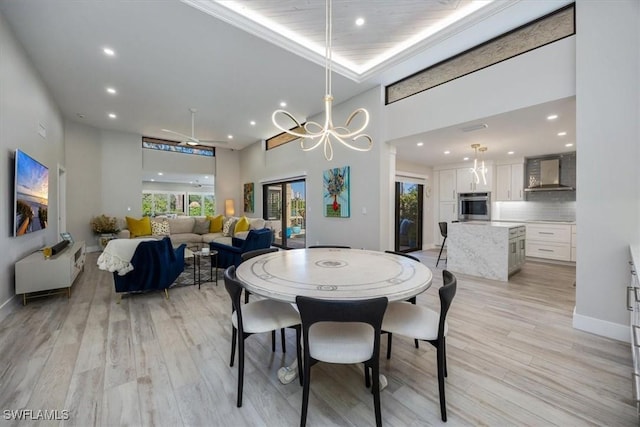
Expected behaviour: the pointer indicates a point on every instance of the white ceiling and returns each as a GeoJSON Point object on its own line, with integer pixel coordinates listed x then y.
{"type": "Point", "coordinates": [171, 56]}
{"type": "Point", "coordinates": [527, 132]}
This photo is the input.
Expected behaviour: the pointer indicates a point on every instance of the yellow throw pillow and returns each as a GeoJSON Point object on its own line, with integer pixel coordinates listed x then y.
{"type": "Point", "coordinates": [215, 223]}
{"type": "Point", "coordinates": [242, 225]}
{"type": "Point", "coordinates": [139, 227]}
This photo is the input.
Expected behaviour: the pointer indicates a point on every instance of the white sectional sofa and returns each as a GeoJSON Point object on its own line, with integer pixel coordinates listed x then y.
{"type": "Point", "coordinates": [191, 230]}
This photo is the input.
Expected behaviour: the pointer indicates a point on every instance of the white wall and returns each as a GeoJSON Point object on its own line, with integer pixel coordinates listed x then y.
{"type": "Point", "coordinates": [25, 103]}
{"type": "Point", "coordinates": [369, 180]}
{"type": "Point", "coordinates": [121, 174]}
{"type": "Point", "coordinates": [608, 140]}
{"type": "Point", "coordinates": [83, 154]}
{"type": "Point", "coordinates": [542, 75]}
{"type": "Point", "coordinates": [228, 183]}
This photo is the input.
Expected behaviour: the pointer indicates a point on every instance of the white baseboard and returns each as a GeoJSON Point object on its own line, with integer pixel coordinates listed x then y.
{"type": "Point", "coordinates": [7, 308]}
{"type": "Point", "coordinates": [600, 327]}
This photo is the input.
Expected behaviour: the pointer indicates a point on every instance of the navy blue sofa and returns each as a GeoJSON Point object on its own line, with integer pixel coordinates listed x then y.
{"type": "Point", "coordinates": [156, 265]}
{"type": "Point", "coordinates": [231, 255]}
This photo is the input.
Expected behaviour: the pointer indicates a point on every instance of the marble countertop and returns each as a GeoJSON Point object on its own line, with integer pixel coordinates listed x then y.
{"type": "Point", "coordinates": [506, 224]}
{"type": "Point", "coordinates": [535, 221]}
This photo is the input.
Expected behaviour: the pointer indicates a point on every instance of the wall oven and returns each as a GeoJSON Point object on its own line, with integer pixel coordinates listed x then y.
{"type": "Point", "coordinates": [474, 206]}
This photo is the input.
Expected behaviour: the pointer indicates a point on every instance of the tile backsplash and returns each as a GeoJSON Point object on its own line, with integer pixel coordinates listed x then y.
{"type": "Point", "coordinates": [535, 211]}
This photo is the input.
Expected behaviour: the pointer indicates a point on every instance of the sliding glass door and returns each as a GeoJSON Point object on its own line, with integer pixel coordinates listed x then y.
{"type": "Point", "coordinates": [285, 202]}
{"type": "Point", "coordinates": [408, 216]}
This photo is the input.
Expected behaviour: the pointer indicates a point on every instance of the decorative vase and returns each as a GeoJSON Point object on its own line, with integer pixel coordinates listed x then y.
{"type": "Point", "coordinates": [104, 239]}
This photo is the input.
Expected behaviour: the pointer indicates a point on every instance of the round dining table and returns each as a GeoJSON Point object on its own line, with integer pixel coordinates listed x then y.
{"type": "Point", "coordinates": [335, 274]}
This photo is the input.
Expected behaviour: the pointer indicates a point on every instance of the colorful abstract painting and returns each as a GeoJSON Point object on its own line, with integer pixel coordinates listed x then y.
{"type": "Point", "coordinates": [336, 192]}
{"type": "Point", "coordinates": [248, 197]}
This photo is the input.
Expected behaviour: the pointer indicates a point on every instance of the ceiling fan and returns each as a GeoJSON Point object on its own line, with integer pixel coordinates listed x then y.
{"type": "Point", "coordinates": [192, 140]}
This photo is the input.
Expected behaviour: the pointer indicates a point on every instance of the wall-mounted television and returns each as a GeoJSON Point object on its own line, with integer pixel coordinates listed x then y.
{"type": "Point", "coordinates": [31, 195]}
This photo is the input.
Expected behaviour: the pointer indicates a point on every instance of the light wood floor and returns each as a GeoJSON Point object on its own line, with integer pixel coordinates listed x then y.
{"type": "Point", "coordinates": [513, 359]}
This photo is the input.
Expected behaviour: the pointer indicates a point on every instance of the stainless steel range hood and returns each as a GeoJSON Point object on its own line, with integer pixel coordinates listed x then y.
{"type": "Point", "coordinates": [549, 177]}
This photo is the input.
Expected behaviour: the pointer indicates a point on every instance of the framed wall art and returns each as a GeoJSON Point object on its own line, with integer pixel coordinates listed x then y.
{"type": "Point", "coordinates": [248, 197]}
{"type": "Point", "coordinates": [336, 184]}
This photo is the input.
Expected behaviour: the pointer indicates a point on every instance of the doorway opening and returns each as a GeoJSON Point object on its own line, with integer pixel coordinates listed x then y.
{"type": "Point", "coordinates": [408, 218]}
{"type": "Point", "coordinates": [286, 202]}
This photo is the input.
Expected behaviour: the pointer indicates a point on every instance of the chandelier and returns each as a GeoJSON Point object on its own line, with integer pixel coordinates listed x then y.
{"type": "Point", "coordinates": [313, 134]}
{"type": "Point", "coordinates": [479, 171]}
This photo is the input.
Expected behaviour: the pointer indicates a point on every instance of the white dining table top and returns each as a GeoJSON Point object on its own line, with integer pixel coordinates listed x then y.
{"type": "Point", "coordinates": [336, 274]}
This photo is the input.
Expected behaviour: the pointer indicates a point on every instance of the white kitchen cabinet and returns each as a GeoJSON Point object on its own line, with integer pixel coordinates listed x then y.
{"type": "Point", "coordinates": [517, 236]}
{"type": "Point", "coordinates": [550, 241]}
{"type": "Point", "coordinates": [510, 182]}
{"type": "Point", "coordinates": [633, 305]}
{"type": "Point", "coordinates": [448, 185]}
{"type": "Point", "coordinates": [573, 242]}
{"type": "Point", "coordinates": [448, 212]}
{"type": "Point", "coordinates": [465, 181]}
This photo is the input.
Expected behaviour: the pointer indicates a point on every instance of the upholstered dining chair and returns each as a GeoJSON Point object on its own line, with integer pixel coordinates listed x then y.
{"type": "Point", "coordinates": [344, 332]}
{"type": "Point", "coordinates": [328, 247]}
{"type": "Point", "coordinates": [412, 300]}
{"type": "Point", "coordinates": [254, 318]}
{"type": "Point", "coordinates": [252, 254]}
{"type": "Point", "coordinates": [426, 325]}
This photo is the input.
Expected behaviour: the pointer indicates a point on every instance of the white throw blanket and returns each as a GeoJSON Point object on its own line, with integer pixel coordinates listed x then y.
{"type": "Point", "coordinates": [117, 255]}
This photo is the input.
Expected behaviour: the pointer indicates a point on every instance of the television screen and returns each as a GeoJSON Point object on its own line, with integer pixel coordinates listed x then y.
{"type": "Point", "coordinates": [31, 198]}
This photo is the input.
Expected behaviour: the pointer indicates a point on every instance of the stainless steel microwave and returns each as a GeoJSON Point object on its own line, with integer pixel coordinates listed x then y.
{"type": "Point", "coordinates": [474, 206]}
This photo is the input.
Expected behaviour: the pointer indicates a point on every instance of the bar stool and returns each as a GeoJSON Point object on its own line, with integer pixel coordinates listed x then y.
{"type": "Point", "coordinates": [443, 232]}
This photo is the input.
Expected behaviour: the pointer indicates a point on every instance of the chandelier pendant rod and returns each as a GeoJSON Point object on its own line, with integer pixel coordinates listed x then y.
{"type": "Point", "coordinates": [312, 134]}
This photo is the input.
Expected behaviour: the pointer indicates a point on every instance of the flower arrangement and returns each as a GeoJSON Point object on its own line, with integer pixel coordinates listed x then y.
{"type": "Point", "coordinates": [104, 224]}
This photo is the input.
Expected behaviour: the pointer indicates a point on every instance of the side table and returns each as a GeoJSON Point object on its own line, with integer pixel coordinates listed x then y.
{"type": "Point", "coordinates": [197, 267]}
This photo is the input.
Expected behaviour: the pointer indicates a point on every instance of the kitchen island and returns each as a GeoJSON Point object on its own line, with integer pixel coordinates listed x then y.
{"type": "Point", "coordinates": [493, 250]}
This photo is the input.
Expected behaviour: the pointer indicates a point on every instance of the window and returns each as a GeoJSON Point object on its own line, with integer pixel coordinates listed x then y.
{"type": "Point", "coordinates": [166, 145]}
{"type": "Point", "coordinates": [160, 202]}
{"type": "Point", "coordinates": [163, 202]}
{"type": "Point", "coordinates": [201, 204]}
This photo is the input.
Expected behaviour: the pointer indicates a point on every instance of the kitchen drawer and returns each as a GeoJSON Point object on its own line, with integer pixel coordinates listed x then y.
{"type": "Point", "coordinates": [549, 250]}
{"type": "Point", "coordinates": [549, 233]}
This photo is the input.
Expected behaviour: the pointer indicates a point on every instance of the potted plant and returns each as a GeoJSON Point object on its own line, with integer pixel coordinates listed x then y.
{"type": "Point", "coordinates": [106, 227]}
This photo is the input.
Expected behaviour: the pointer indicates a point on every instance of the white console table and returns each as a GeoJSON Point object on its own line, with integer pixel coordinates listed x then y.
{"type": "Point", "coordinates": [34, 273]}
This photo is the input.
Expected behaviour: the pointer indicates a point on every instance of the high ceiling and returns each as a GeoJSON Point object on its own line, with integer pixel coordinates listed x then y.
{"type": "Point", "coordinates": [174, 55]}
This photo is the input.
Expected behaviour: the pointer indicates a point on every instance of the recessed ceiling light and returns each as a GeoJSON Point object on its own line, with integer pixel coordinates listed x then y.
{"type": "Point", "coordinates": [160, 174]}
{"type": "Point", "coordinates": [111, 90]}
{"type": "Point", "coordinates": [252, 122]}
{"type": "Point", "coordinates": [190, 182]}
{"type": "Point", "coordinates": [568, 145]}
{"type": "Point", "coordinates": [420, 144]}
{"type": "Point", "coordinates": [152, 180]}
{"type": "Point", "coordinates": [108, 51]}
{"type": "Point", "coordinates": [562, 133]}
{"type": "Point", "coordinates": [447, 152]}
{"type": "Point", "coordinates": [112, 116]}
{"type": "Point", "coordinates": [283, 104]}
{"type": "Point", "coordinates": [360, 22]}
{"type": "Point", "coordinates": [230, 136]}
{"type": "Point", "coordinates": [552, 117]}
{"type": "Point", "coordinates": [510, 152]}
{"type": "Point", "coordinates": [206, 177]}
{"type": "Point", "coordinates": [465, 159]}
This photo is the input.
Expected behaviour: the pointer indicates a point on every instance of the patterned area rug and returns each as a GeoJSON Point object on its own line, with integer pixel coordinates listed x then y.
{"type": "Point", "coordinates": [187, 276]}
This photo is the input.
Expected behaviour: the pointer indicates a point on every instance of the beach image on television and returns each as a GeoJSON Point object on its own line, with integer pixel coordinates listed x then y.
{"type": "Point", "coordinates": [31, 194]}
